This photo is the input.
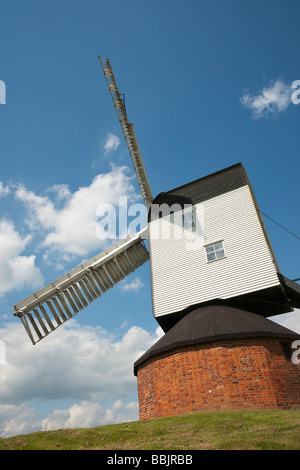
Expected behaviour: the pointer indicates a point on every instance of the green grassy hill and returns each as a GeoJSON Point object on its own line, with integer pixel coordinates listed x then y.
{"type": "Point", "coordinates": [265, 430]}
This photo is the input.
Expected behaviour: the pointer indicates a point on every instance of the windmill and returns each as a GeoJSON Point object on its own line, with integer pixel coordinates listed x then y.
{"type": "Point", "coordinates": [232, 263]}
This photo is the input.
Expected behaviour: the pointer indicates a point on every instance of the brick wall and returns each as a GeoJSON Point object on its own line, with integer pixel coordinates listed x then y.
{"type": "Point", "coordinates": [233, 375]}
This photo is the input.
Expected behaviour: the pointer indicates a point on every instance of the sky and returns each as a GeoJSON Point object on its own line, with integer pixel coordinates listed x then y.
{"type": "Point", "coordinates": [207, 84]}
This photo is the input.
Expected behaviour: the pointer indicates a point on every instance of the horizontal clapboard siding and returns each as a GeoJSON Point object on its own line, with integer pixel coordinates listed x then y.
{"type": "Point", "coordinates": [181, 275]}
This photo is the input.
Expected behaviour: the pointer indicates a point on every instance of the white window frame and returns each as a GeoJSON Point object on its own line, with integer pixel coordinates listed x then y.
{"type": "Point", "coordinates": [215, 251]}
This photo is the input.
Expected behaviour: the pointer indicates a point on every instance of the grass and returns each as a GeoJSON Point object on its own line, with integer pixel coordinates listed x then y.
{"type": "Point", "coordinates": [246, 430]}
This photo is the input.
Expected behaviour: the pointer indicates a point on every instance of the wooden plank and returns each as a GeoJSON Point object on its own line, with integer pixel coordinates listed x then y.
{"type": "Point", "coordinates": [45, 314]}
{"type": "Point", "coordinates": [53, 311]}
{"type": "Point", "coordinates": [41, 321]}
{"type": "Point", "coordinates": [31, 319]}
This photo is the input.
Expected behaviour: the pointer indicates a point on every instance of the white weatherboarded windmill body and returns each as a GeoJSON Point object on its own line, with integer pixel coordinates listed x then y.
{"type": "Point", "coordinates": [207, 243]}
{"type": "Point", "coordinates": [214, 247]}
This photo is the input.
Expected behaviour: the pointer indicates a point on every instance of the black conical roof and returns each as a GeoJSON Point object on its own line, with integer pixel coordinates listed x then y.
{"type": "Point", "coordinates": [214, 323]}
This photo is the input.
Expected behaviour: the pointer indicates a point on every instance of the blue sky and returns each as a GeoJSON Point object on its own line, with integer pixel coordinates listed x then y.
{"type": "Point", "coordinates": [207, 84]}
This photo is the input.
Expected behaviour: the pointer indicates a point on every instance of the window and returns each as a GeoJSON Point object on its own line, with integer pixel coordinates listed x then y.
{"type": "Point", "coordinates": [215, 251]}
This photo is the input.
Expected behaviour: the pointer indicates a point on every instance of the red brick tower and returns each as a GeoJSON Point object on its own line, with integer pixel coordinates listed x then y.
{"type": "Point", "coordinates": [219, 358]}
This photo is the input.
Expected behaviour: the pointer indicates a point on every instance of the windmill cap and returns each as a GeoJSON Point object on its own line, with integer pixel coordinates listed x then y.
{"type": "Point", "coordinates": [200, 190]}
{"type": "Point", "coordinates": [214, 323]}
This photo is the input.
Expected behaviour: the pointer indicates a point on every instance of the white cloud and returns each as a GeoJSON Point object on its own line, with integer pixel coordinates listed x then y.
{"type": "Point", "coordinates": [270, 100]}
{"type": "Point", "coordinates": [133, 285]}
{"type": "Point", "coordinates": [22, 419]}
{"type": "Point", "coordinates": [16, 419]}
{"type": "Point", "coordinates": [111, 143]}
{"type": "Point", "coordinates": [4, 190]}
{"type": "Point", "coordinates": [80, 363]}
{"type": "Point", "coordinates": [62, 191]}
{"type": "Point", "coordinates": [71, 228]}
{"type": "Point", "coordinates": [89, 414]}
{"type": "Point", "coordinates": [16, 270]}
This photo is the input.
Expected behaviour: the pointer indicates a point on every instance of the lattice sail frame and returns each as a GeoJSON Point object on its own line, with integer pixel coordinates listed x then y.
{"type": "Point", "coordinates": [47, 309]}
{"type": "Point", "coordinates": [129, 133]}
